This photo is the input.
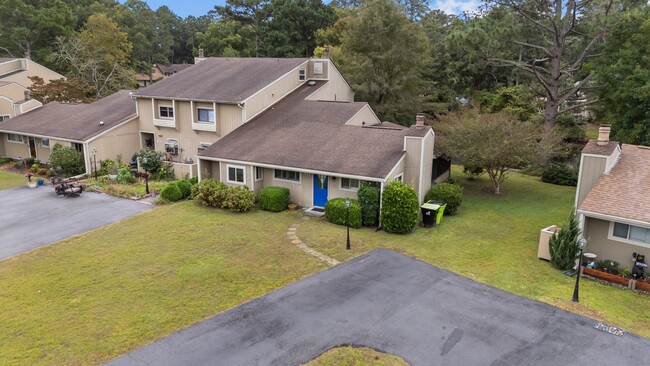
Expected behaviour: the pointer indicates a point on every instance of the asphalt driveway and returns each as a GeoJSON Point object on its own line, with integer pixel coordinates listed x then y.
{"type": "Point", "coordinates": [30, 218]}
{"type": "Point", "coordinates": [398, 305]}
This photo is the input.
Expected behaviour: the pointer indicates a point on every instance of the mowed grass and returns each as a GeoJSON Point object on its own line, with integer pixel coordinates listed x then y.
{"type": "Point", "coordinates": [93, 297]}
{"type": "Point", "coordinates": [349, 356]}
{"type": "Point", "coordinates": [494, 239]}
{"type": "Point", "coordinates": [11, 180]}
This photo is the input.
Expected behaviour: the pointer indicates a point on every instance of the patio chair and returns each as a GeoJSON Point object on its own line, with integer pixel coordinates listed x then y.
{"type": "Point", "coordinates": [441, 211]}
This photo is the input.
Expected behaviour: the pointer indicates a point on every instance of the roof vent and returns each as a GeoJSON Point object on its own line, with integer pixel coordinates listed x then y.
{"type": "Point", "coordinates": [101, 123]}
{"type": "Point", "coordinates": [311, 83]}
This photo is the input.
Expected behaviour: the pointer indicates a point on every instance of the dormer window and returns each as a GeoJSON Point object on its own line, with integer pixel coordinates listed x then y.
{"type": "Point", "coordinates": [166, 111]}
{"type": "Point", "coordinates": [206, 115]}
{"type": "Point", "coordinates": [302, 75]}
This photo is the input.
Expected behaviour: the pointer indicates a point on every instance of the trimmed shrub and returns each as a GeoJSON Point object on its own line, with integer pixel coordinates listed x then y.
{"type": "Point", "coordinates": [452, 194]}
{"type": "Point", "coordinates": [560, 174]}
{"type": "Point", "coordinates": [211, 192]}
{"type": "Point", "coordinates": [171, 192]}
{"type": "Point", "coordinates": [563, 246]}
{"type": "Point", "coordinates": [274, 199]}
{"type": "Point", "coordinates": [185, 187]}
{"type": "Point", "coordinates": [400, 208]}
{"type": "Point", "coordinates": [43, 171]}
{"type": "Point", "coordinates": [5, 159]}
{"type": "Point", "coordinates": [31, 161]}
{"type": "Point", "coordinates": [67, 159]}
{"type": "Point", "coordinates": [239, 199]}
{"type": "Point", "coordinates": [125, 177]}
{"type": "Point", "coordinates": [35, 167]}
{"type": "Point", "coordinates": [369, 201]}
{"type": "Point", "coordinates": [193, 180]}
{"type": "Point", "coordinates": [335, 212]}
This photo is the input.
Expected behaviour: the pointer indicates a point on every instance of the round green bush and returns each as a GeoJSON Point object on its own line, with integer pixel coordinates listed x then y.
{"type": "Point", "coordinates": [125, 177]}
{"type": "Point", "coordinates": [369, 201]}
{"type": "Point", "coordinates": [193, 180]}
{"type": "Point", "coordinates": [452, 194]}
{"type": "Point", "coordinates": [171, 192]}
{"type": "Point", "coordinates": [185, 187]}
{"type": "Point", "coordinates": [335, 212]}
{"type": "Point", "coordinates": [274, 199]}
{"type": "Point", "coordinates": [239, 199]}
{"type": "Point", "coordinates": [560, 174]}
{"type": "Point", "coordinates": [399, 208]}
{"type": "Point", "coordinates": [211, 192]}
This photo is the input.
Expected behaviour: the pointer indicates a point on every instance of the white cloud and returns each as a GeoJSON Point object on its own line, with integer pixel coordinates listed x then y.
{"type": "Point", "coordinates": [456, 6]}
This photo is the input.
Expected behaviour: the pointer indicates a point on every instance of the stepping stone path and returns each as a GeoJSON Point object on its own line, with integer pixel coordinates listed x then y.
{"type": "Point", "coordinates": [293, 237]}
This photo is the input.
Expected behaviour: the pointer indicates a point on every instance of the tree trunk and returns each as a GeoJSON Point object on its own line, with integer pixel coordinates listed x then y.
{"type": "Point", "coordinates": [550, 113]}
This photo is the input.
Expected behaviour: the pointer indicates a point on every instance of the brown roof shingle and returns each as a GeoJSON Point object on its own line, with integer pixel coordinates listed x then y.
{"type": "Point", "coordinates": [77, 122]}
{"type": "Point", "coordinates": [592, 147]}
{"type": "Point", "coordinates": [624, 192]}
{"type": "Point", "coordinates": [221, 79]}
{"type": "Point", "coordinates": [312, 135]}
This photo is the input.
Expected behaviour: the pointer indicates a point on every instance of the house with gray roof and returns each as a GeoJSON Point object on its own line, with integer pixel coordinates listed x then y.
{"type": "Point", "coordinates": [612, 199]}
{"type": "Point", "coordinates": [102, 129]}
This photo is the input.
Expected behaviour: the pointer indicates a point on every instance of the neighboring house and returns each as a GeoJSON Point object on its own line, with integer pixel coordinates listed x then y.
{"type": "Point", "coordinates": [159, 72]}
{"type": "Point", "coordinates": [612, 199]}
{"type": "Point", "coordinates": [15, 84]}
{"type": "Point", "coordinates": [106, 127]}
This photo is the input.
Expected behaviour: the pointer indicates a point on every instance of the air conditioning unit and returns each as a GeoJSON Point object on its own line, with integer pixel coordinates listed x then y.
{"type": "Point", "coordinates": [202, 147]}
{"type": "Point", "coordinates": [171, 147]}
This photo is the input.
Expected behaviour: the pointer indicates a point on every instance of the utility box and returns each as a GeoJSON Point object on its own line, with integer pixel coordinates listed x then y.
{"type": "Point", "coordinates": [544, 236]}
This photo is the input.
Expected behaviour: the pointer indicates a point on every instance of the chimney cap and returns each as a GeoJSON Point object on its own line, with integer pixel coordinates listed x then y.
{"type": "Point", "coordinates": [603, 135]}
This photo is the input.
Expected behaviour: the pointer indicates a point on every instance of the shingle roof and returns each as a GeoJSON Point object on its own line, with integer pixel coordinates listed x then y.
{"type": "Point", "coordinates": [77, 122]}
{"type": "Point", "coordinates": [312, 135]}
{"type": "Point", "coordinates": [624, 191]}
{"type": "Point", "coordinates": [171, 69]}
{"type": "Point", "coordinates": [222, 79]}
{"type": "Point", "coordinates": [5, 59]}
{"type": "Point", "coordinates": [592, 147]}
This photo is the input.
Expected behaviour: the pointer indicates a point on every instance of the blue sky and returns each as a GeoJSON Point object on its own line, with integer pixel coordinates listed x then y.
{"type": "Point", "coordinates": [197, 8]}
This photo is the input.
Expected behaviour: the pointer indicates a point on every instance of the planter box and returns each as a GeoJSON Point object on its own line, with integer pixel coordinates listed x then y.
{"type": "Point", "coordinates": [544, 235]}
{"type": "Point", "coordinates": [642, 286]}
{"type": "Point", "coordinates": [606, 276]}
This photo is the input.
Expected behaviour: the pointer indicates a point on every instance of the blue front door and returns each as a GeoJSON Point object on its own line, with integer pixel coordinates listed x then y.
{"type": "Point", "coordinates": [320, 190]}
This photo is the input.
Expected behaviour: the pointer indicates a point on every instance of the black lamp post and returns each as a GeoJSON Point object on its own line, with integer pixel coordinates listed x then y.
{"type": "Point", "coordinates": [146, 178]}
{"type": "Point", "coordinates": [347, 222]}
{"type": "Point", "coordinates": [582, 243]}
{"type": "Point", "coordinates": [95, 161]}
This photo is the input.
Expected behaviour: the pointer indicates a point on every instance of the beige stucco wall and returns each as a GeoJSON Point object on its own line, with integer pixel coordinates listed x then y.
{"type": "Point", "coordinates": [365, 117]}
{"type": "Point", "coordinates": [272, 93]}
{"type": "Point", "coordinates": [12, 66]}
{"type": "Point", "coordinates": [13, 91]}
{"type": "Point", "coordinates": [230, 117]}
{"type": "Point", "coordinates": [597, 232]}
{"type": "Point", "coordinates": [591, 168]}
{"type": "Point", "coordinates": [33, 69]}
{"type": "Point", "coordinates": [336, 89]}
{"type": "Point", "coordinates": [14, 149]}
{"type": "Point", "coordinates": [6, 108]}
{"type": "Point", "coordinates": [123, 140]}
{"type": "Point", "coordinates": [27, 106]}
{"type": "Point", "coordinates": [310, 69]}
{"type": "Point", "coordinates": [412, 162]}
{"type": "Point", "coordinates": [398, 170]}
{"type": "Point", "coordinates": [209, 169]}
{"type": "Point", "coordinates": [301, 192]}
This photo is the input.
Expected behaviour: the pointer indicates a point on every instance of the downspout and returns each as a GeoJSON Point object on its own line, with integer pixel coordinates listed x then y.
{"type": "Point", "coordinates": [243, 112]}
{"type": "Point", "coordinates": [381, 194]}
{"type": "Point", "coordinates": [86, 158]}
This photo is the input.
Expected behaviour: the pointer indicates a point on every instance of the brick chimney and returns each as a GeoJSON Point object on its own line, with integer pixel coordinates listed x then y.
{"type": "Point", "coordinates": [27, 95]}
{"type": "Point", "coordinates": [419, 121]}
{"type": "Point", "coordinates": [200, 57]}
{"type": "Point", "coordinates": [327, 52]}
{"type": "Point", "coordinates": [603, 135]}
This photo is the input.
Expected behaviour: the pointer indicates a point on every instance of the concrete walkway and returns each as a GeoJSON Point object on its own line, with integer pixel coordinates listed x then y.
{"type": "Point", "coordinates": [30, 218]}
{"type": "Point", "coordinates": [398, 305]}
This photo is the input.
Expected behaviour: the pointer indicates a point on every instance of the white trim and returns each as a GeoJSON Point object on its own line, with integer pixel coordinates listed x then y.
{"type": "Point", "coordinates": [610, 236]}
{"type": "Point", "coordinates": [41, 136]}
{"type": "Point", "coordinates": [348, 189]}
{"type": "Point", "coordinates": [192, 110]}
{"type": "Point", "coordinates": [395, 167]}
{"type": "Point", "coordinates": [243, 169]}
{"type": "Point", "coordinates": [400, 176]}
{"type": "Point", "coordinates": [299, 181]}
{"type": "Point", "coordinates": [606, 217]}
{"type": "Point", "coordinates": [420, 171]}
{"type": "Point", "coordinates": [22, 141]}
{"type": "Point", "coordinates": [140, 132]}
{"type": "Point", "coordinates": [86, 158]}
{"type": "Point", "coordinates": [255, 167]}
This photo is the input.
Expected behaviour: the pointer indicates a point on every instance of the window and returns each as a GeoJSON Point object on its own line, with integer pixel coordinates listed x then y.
{"type": "Point", "coordinates": [318, 68]}
{"type": "Point", "coordinates": [166, 111]}
{"type": "Point", "coordinates": [206, 115]}
{"type": "Point", "coordinates": [634, 233]}
{"type": "Point", "coordinates": [259, 173]}
{"type": "Point", "coordinates": [4, 117]}
{"type": "Point", "coordinates": [347, 183]}
{"type": "Point", "coordinates": [398, 178]}
{"type": "Point", "coordinates": [45, 142]}
{"type": "Point", "coordinates": [235, 174]}
{"type": "Point", "coordinates": [78, 147]}
{"type": "Point", "coordinates": [302, 75]}
{"type": "Point", "coordinates": [15, 138]}
{"type": "Point", "coordinates": [287, 175]}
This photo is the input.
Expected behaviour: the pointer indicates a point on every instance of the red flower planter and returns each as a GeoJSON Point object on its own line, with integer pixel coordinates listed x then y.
{"type": "Point", "coordinates": [607, 276]}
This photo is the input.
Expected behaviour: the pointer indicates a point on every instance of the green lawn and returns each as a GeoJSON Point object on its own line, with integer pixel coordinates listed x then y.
{"type": "Point", "coordinates": [11, 180]}
{"type": "Point", "coordinates": [349, 356]}
{"type": "Point", "coordinates": [93, 297]}
{"type": "Point", "coordinates": [493, 239]}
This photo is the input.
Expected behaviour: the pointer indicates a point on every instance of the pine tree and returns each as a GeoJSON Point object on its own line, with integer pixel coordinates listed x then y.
{"type": "Point", "coordinates": [563, 246]}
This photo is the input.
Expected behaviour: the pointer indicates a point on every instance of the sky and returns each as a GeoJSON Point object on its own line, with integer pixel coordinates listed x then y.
{"type": "Point", "coordinates": [183, 8]}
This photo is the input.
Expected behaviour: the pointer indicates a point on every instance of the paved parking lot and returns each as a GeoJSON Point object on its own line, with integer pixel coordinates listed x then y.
{"type": "Point", "coordinates": [30, 218]}
{"type": "Point", "coordinates": [401, 306]}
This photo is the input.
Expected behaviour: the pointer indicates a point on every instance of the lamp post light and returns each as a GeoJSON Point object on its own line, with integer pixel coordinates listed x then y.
{"type": "Point", "coordinates": [146, 177]}
{"type": "Point", "coordinates": [347, 222]}
{"type": "Point", "coordinates": [582, 243]}
{"type": "Point", "coordinates": [95, 161]}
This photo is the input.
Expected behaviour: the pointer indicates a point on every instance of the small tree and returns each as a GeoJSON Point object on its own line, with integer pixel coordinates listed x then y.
{"type": "Point", "coordinates": [369, 201]}
{"type": "Point", "coordinates": [66, 159]}
{"type": "Point", "coordinates": [563, 246]}
{"type": "Point", "coordinates": [399, 209]}
{"type": "Point", "coordinates": [150, 160]}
